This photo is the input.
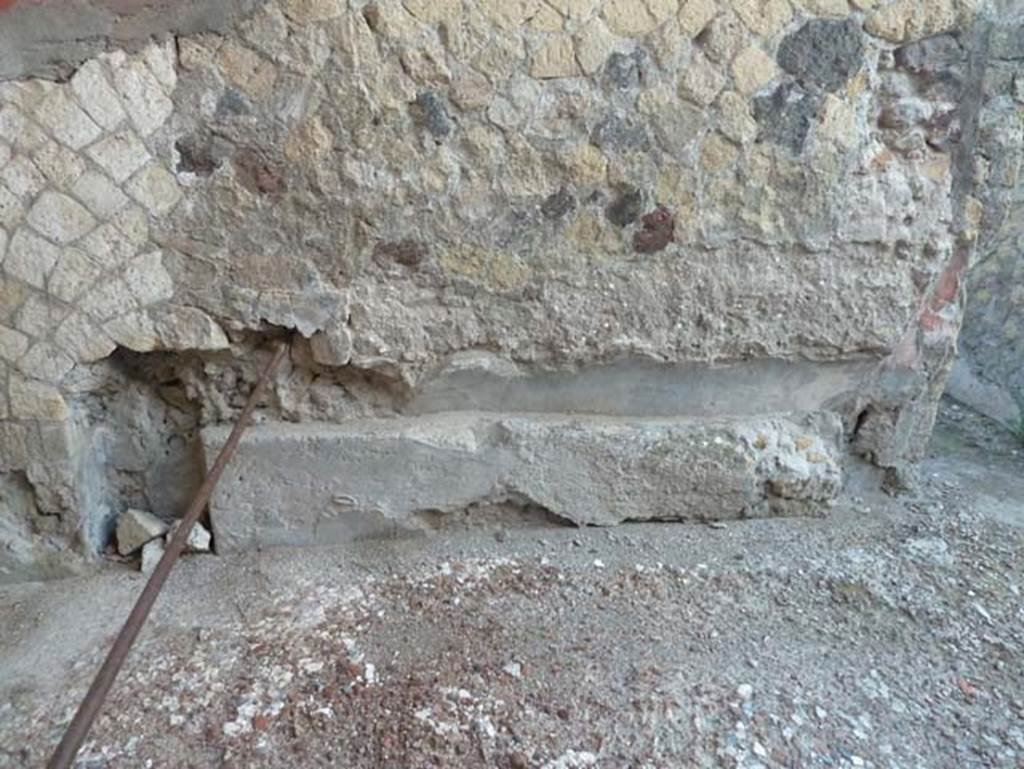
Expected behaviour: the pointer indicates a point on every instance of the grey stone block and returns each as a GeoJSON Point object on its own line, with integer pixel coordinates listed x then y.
{"type": "Point", "coordinates": [302, 484]}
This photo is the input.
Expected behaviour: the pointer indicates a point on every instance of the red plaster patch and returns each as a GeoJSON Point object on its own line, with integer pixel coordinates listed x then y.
{"type": "Point", "coordinates": [948, 285]}
{"type": "Point", "coordinates": [5, 4]}
{"type": "Point", "coordinates": [930, 321]}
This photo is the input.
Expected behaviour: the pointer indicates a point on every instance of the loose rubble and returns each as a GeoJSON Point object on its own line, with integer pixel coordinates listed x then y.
{"type": "Point", "coordinates": [199, 538]}
{"type": "Point", "coordinates": [135, 528]}
{"type": "Point", "coordinates": [152, 552]}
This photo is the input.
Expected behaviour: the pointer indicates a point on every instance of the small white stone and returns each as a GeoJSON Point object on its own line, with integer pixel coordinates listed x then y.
{"type": "Point", "coordinates": [120, 154]}
{"type": "Point", "coordinates": [59, 165]}
{"type": "Point", "coordinates": [198, 539]}
{"type": "Point", "coordinates": [46, 362]}
{"type": "Point", "coordinates": [134, 331]}
{"type": "Point", "coordinates": [109, 246]}
{"type": "Point", "coordinates": [155, 189]}
{"type": "Point", "coordinates": [114, 59]}
{"type": "Point", "coordinates": [22, 132]}
{"type": "Point", "coordinates": [68, 122]}
{"type": "Point", "coordinates": [137, 527]}
{"type": "Point", "coordinates": [12, 344]}
{"type": "Point", "coordinates": [146, 103]}
{"type": "Point", "coordinates": [36, 400]}
{"type": "Point", "coordinates": [73, 275]}
{"type": "Point", "coordinates": [11, 209]}
{"type": "Point", "coordinates": [109, 299]}
{"type": "Point", "coordinates": [99, 194]}
{"type": "Point", "coordinates": [188, 328]}
{"type": "Point", "coordinates": [39, 315]}
{"type": "Point", "coordinates": [30, 257]}
{"type": "Point", "coordinates": [133, 223]}
{"type": "Point", "coordinates": [594, 44]}
{"type": "Point", "coordinates": [60, 218]}
{"type": "Point", "coordinates": [152, 552]}
{"type": "Point", "coordinates": [745, 692]}
{"type": "Point", "coordinates": [82, 339]}
{"type": "Point", "coordinates": [701, 82]}
{"type": "Point", "coordinates": [147, 279]}
{"type": "Point", "coordinates": [332, 347]}
{"type": "Point", "coordinates": [22, 177]}
{"type": "Point", "coordinates": [162, 62]}
{"type": "Point", "coordinates": [96, 95]}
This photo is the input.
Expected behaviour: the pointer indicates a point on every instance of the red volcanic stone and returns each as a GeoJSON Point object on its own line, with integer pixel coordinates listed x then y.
{"type": "Point", "coordinates": [659, 227]}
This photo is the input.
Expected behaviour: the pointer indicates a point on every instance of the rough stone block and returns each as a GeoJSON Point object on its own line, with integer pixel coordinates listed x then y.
{"type": "Point", "coordinates": [22, 177]}
{"type": "Point", "coordinates": [137, 527]}
{"type": "Point", "coordinates": [823, 53]}
{"type": "Point", "coordinates": [120, 154]}
{"type": "Point", "coordinates": [59, 165]}
{"type": "Point", "coordinates": [695, 15]}
{"type": "Point", "coordinates": [594, 43]}
{"type": "Point", "coordinates": [752, 69]}
{"type": "Point", "coordinates": [11, 209]}
{"type": "Point", "coordinates": [186, 328]}
{"type": "Point", "coordinates": [155, 189]}
{"type": "Point", "coordinates": [317, 483]}
{"type": "Point", "coordinates": [152, 552]}
{"type": "Point", "coordinates": [46, 363]}
{"type": "Point", "coordinates": [556, 58]}
{"type": "Point", "coordinates": [60, 218]}
{"type": "Point", "coordinates": [143, 97]}
{"type": "Point", "coordinates": [701, 82]}
{"type": "Point", "coordinates": [764, 17]}
{"type": "Point", "coordinates": [36, 400]}
{"type": "Point", "coordinates": [96, 95]}
{"type": "Point", "coordinates": [30, 258]}
{"type": "Point", "coordinates": [632, 18]}
{"type": "Point", "coordinates": [39, 315]}
{"type": "Point", "coordinates": [198, 538]}
{"type": "Point", "coordinates": [13, 344]}
{"type": "Point", "coordinates": [68, 123]}
{"type": "Point", "coordinates": [99, 194]}
{"type": "Point", "coordinates": [82, 339]}
{"type": "Point", "coordinates": [21, 131]}
{"type": "Point", "coordinates": [73, 274]}
{"type": "Point", "coordinates": [148, 280]}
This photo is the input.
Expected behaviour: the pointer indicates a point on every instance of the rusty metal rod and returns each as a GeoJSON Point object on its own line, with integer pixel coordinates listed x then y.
{"type": "Point", "coordinates": [79, 727]}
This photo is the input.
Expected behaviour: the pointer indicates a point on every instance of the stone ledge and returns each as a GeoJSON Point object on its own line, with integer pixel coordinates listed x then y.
{"type": "Point", "coordinates": [306, 484]}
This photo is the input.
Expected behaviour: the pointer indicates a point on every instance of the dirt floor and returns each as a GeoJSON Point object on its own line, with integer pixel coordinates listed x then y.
{"type": "Point", "coordinates": [887, 633]}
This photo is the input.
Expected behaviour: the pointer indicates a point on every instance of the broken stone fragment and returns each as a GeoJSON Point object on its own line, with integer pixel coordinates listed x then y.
{"type": "Point", "coordinates": [198, 539]}
{"type": "Point", "coordinates": [135, 528]}
{"type": "Point", "coordinates": [152, 552]}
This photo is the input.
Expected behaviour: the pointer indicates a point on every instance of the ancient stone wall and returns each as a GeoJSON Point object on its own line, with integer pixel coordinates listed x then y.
{"type": "Point", "coordinates": [989, 374]}
{"type": "Point", "coordinates": [714, 247]}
